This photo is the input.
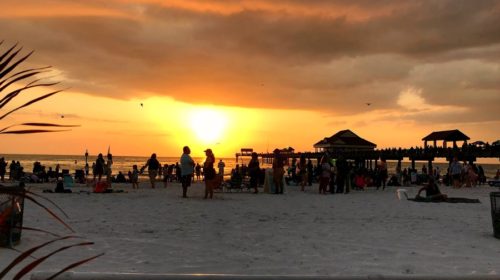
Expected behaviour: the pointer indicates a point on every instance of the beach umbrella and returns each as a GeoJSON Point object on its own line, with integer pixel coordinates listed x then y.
{"type": "Point", "coordinates": [478, 143]}
{"type": "Point", "coordinates": [496, 143]}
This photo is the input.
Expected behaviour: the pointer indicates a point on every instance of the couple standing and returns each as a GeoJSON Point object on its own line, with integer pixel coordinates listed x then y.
{"type": "Point", "coordinates": [187, 170]}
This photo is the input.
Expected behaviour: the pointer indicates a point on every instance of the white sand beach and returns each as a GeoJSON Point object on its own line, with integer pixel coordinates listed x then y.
{"type": "Point", "coordinates": [362, 233]}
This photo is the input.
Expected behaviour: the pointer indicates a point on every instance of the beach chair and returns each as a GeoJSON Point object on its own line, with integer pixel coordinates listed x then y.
{"type": "Point", "coordinates": [68, 181]}
{"type": "Point", "coordinates": [80, 176]}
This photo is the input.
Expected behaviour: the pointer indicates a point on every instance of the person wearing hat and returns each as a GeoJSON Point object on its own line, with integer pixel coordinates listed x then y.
{"type": "Point", "coordinates": [209, 173]}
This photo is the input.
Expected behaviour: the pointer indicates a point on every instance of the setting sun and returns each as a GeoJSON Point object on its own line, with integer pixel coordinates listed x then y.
{"type": "Point", "coordinates": [208, 125]}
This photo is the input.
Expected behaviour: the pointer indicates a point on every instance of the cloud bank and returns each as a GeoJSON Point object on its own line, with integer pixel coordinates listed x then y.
{"type": "Point", "coordinates": [329, 56]}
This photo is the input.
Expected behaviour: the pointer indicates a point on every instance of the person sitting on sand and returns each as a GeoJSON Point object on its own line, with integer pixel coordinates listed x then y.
{"type": "Point", "coordinates": [432, 192]}
{"type": "Point", "coordinates": [60, 187]}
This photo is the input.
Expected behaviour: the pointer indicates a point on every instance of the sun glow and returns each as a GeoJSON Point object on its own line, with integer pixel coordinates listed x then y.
{"type": "Point", "coordinates": [208, 125]}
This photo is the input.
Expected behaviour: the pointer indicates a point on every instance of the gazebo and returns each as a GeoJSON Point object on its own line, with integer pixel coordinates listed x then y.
{"type": "Point", "coordinates": [344, 140]}
{"type": "Point", "coordinates": [446, 136]}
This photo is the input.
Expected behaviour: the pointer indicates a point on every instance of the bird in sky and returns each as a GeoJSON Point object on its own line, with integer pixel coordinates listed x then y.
{"type": "Point", "coordinates": [368, 104]}
{"type": "Point", "coordinates": [142, 105]}
{"type": "Point", "coordinates": [62, 116]}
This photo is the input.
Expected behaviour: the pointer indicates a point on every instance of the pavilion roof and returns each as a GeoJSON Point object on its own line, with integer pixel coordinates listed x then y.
{"type": "Point", "coordinates": [447, 135]}
{"type": "Point", "coordinates": [345, 138]}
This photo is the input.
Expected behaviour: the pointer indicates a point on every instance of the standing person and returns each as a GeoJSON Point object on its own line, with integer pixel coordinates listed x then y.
{"type": "Point", "coordinates": [278, 172]}
{"type": "Point", "coordinates": [93, 170]}
{"type": "Point", "coordinates": [58, 167]}
{"type": "Point", "coordinates": [198, 172]}
{"type": "Point", "coordinates": [187, 167]}
{"type": "Point", "coordinates": [12, 170]}
{"type": "Point", "coordinates": [302, 172]}
{"type": "Point", "coordinates": [135, 177]}
{"type": "Point", "coordinates": [325, 174]}
{"type": "Point", "coordinates": [3, 169]}
{"type": "Point", "coordinates": [310, 172]}
{"type": "Point", "coordinates": [153, 165]}
{"type": "Point", "coordinates": [109, 165]}
{"type": "Point", "coordinates": [209, 171]}
{"type": "Point", "coordinates": [384, 173]}
{"type": "Point", "coordinates": [342, 172]}
{"type": "Point", "coordinates": [254, 171]}
{"type": "Point", "coordinates": [166, 176]}
{"type": "Point", "coordinates": [86, 169]}
{"type": "Point", "coordinates": [456, 172]}
{"type": "Point", "coordinates": [99, 167]}
{"type": "Point", "coordinates": [221, 166]}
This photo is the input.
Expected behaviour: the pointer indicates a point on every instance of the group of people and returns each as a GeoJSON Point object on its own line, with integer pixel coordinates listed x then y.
{"type": "Point", "coordinates": [16, 171]}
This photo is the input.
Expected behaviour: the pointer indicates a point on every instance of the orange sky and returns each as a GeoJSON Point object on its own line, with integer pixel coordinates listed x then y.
{"type": "Point", "coordinates": [258, 74]}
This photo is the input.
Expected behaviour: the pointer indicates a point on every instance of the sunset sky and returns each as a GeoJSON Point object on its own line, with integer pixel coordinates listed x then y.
{"type": "Point", "coordinates": [260, 74]}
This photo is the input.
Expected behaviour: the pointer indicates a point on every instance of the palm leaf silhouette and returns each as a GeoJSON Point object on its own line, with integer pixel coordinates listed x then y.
{"type": "Point", "coordinates": [14, 82]}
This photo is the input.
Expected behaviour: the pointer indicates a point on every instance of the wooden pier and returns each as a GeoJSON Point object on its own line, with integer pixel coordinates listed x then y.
{"type": "Point", "coordinates": [365, 158]}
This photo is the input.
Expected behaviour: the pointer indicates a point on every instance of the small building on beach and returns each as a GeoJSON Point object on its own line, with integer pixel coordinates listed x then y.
{"type": "Point", "coordinates": [344, 140]}
{"type": "Point", "coordinates": [446, 136]}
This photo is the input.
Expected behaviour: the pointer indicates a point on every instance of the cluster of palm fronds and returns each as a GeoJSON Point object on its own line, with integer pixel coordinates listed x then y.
{"type": "Point", "coordinates": [15, 82]}
{"type": "Point", "coordinates": [21, 194]}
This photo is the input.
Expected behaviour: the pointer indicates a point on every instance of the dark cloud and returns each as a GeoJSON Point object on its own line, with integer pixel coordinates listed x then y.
{"type": "Point", "coordinates": [299, 54]}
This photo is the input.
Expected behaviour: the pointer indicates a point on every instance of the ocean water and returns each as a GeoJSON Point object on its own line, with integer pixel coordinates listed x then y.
{"type": "Point", "coordinates": [125, 163]}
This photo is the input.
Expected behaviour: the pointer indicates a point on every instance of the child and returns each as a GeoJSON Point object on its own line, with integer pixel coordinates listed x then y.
{"type": "Point", "coordinates": [166, 175]}
{"type": "Point", "coordinates": [135, 177]}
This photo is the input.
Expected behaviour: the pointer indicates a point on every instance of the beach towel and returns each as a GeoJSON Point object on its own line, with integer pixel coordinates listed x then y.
{"type": "Point", "coordinates": [449, 200]}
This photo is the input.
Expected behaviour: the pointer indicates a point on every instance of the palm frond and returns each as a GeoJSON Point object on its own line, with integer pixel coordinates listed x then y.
{"type": "Point", "coordinates": [18, 78]}
{"type": "Point", "coordinates": [29, 103]}
{"type": "Point", "coordinates": [11, 95]}
{"type": "Point", "coordinates": [48, 210]}
{"type": "Point", "coordinates": [41, 69]}
{"type": "Point", "coordinates": [32, 131]}
{"type": "Point", "coordinates": [7, 52]}
{"type": "Point", "coordinates": [28, 253]}
{"type": "Point", "coordinates": [37, 124]}
{"type": "Point", "coordinates": [14, 65]}
{"type": "Point", "coordinates": [76, 264]}
{"type": "Point", "coordinates": [48, 200]}
{"type": "Point", "coordinates": [35, 263]}
{"type": "Point", "coordinates": [10, 76]}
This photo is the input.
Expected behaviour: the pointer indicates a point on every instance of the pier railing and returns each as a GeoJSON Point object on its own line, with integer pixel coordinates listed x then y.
{"type": "Point", "coordinates": [467, 153]}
